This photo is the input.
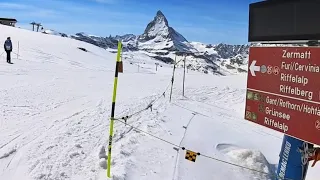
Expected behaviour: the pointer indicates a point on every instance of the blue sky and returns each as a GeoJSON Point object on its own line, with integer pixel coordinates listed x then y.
{"type": "Point", "coordinates": [210, 21]}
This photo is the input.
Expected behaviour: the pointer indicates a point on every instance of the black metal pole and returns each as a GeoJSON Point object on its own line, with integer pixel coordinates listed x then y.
{"type": "Point", "coordinates": [172, 80]}
{"type": "Point", "coordinates": [184, 75]}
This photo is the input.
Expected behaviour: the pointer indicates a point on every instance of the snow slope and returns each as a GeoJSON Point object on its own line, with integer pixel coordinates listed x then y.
{"type": "Point", "coordinates": [55, 110]}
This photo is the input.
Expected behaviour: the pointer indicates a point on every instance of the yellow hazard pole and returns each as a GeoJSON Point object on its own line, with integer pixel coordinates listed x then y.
{"type": "Point", "coordinates": [113, 107]}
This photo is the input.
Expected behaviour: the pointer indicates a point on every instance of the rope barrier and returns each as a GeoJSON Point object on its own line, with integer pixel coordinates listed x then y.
{"type": "Point", "coordinates": [125, 118]}
{"type": "Point", "coordinates": [210, 117]}
{"type": "Point", "coordinates": [137, 129]}
{"type": "Point", "coordinates": [192, 110]}
{"type": "Point", "coordinates": [178, 61]}
{"type": "Point", "coordinates": [203, 155]}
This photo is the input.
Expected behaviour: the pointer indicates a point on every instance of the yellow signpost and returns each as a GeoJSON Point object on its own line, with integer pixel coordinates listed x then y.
{"type": "Point", "coordinates": [118, 67]}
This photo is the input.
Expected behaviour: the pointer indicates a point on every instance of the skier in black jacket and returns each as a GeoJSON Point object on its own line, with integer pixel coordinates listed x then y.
{"type": "Point", "coordinates": [8, 49]}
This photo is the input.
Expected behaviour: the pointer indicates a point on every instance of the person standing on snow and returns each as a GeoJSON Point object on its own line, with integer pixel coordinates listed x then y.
{"type": "Point", "coordinates": [8, 49]}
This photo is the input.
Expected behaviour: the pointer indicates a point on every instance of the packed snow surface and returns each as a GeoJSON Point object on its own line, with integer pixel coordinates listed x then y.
{"type": "Point", "coordinates": [56, 105]}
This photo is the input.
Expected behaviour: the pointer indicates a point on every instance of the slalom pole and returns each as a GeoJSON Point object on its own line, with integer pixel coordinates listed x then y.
{"type": "Point", "coordinates": [113, 107]}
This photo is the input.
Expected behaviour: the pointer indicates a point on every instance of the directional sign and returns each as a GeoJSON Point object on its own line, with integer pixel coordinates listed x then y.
{"type": "Point", "coordinates": [283, 90]}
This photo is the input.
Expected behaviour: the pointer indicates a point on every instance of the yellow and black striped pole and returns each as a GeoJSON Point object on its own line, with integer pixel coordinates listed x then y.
{"type": "Point", "coordinates": [113, 107]}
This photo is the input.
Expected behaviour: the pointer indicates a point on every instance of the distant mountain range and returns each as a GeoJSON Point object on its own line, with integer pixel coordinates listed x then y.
{"type": "Point", "coordinates": [163, 42]}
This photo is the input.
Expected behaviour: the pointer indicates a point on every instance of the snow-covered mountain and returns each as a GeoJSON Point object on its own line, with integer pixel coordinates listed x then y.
{"type": "Point", "coordinates": [162, 42]}
{"type": "Point", "coordinates": [130, 41]}
{"type": "Point", "coordinates": [231, 58]}
{"type": "Point", "coordinates": [160, 36]}
{"type": "Point", "coordinates": [103, 42]}
{"type": "Point", "coordinates": [53, 32]}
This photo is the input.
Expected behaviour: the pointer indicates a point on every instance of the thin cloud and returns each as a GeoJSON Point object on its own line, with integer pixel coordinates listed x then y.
{"type": "Point", "coordinates": [16, 6]}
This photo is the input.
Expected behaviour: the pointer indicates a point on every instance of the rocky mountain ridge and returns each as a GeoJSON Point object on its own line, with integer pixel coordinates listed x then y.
{"type": "Point", "coordinates": [161, 41]}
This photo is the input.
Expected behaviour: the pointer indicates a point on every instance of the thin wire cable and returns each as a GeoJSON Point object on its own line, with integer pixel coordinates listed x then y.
{"type": "Point", "coordinates": [148, 133]}
{"type": "Point", "coordinates": [178, 61]}
{"type": "Point", "coordinates": [192, 110]}
{"type": "Point", "coordinates": [146, 108]}
{"type": "Point", "coordinates": [210, 117]}
{"type": "Point", "coordinates": [233, 164]}
{"type": "Point", "coordinates": [137, 112]}
{"type": "Point", "coordinates": [149, 105]}
{"type": "Point", "coordinates": [203, 155]}
{"type": "Point", "coordinates": [160, 96]}
{"type": "Point", "coordinates": [179, 146]}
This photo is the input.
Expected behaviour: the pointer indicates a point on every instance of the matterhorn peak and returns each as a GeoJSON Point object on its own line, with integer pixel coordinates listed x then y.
{"type": "Point", "coordinates": [159, 13]}
{"type": "Point", "coordinates": [159, 32]}
{"type": "Point", "coordinates": [157, 27]}
{"type": "Point", "coordinates": [161, 18]}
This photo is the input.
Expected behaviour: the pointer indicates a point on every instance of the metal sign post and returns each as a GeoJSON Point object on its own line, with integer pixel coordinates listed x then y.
{"type": "Point", "coordinates": [172, 80]}
{"type": "Point", "coordinates": [184, 74]}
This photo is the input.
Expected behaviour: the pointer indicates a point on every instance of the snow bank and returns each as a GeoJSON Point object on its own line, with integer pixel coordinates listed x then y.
{"type": "Point", "coordinates": [252, 159]}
